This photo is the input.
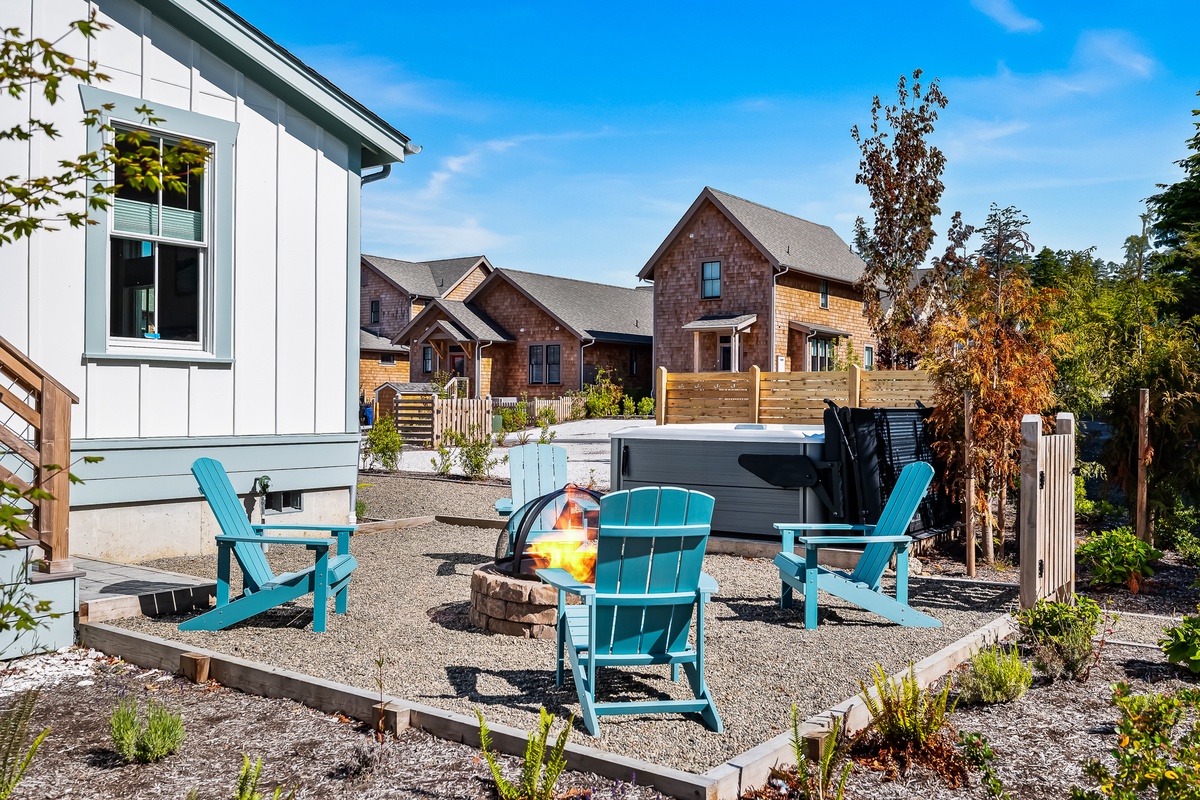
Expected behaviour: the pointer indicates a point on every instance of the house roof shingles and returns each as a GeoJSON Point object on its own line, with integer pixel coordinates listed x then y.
{"type": "Point", "coordinates": [475, 323]}
{"type": "Point", "coordinates": [423, 278]}
{"type": "Point", "coordinates": [377, 344]}
{"type": "Point", "coordinates": [597, 310]}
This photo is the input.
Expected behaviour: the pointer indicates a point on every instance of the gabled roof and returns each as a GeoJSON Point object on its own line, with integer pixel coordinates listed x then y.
{"type": "Point", "coordinates": [787, 242]}
{"type": "Point", "coordinates": [465, 322]}
{"type": "Point", "coordinates": [234, 40]}
{"type": "Point", "coordinates": [589, 310]}
{"type": "Point", "coordinates": [426, 279]}
{"type": "Point", "coordinates": [367, 340]}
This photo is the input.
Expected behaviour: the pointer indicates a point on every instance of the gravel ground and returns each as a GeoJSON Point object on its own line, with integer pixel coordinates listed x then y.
{"type": "Point", "coordinates": [322, 755]}
{"type": "Point", "coordinates": [1043, 740]}
{"type": "Point", "coordinates": [409, 598]}
{"type": "Point", "coordinates": [396, 496]}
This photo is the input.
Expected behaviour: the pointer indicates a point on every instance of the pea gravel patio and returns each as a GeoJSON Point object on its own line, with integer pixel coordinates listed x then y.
{"type": "Point", "coordinates": [408, 602]}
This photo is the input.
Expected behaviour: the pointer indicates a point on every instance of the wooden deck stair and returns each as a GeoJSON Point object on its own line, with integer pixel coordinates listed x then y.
{"type": "Point", "coordinates": [35, 449]}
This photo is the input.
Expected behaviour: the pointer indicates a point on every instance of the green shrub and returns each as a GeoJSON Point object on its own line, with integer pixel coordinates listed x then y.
{"type": "Point", "coordinates": [628, 406]}
{"type": "Point", "coordinates": [384, 444]}
{"type": "Point", "coordinates": [977, 752]}
{"type": "Point", "coordinates": [1157, 752]}
{"type": "Point", "coordinates": [247, 783]}
{"type": "Point", "coordinates": [14, 728]}
{"type": "Point", "coordinates": [443, 460]}
{"type": "Point", "coordinates": [1117, 557]}
{"type": "Point", "coordinates": [546, 436]}
{"type": "Point", "coordinates": [514, 418]}
{"type": "Point", "coordinates": [547, 417]}
{"type": "Point", "coordinates": [1181, 644]}
{"type": "Point", "coordinates": [994, 675]}
{"type": "Point", "coordinates": [474, 453]}
{"type": "Point", "coordinates": [1089, 509]}
{"type": "Point", "coordinates": [645, 407]}
{"type": "Point", "coordinates": [1177, 530]}
{"type": "Point", "coordinates": [1059, 635]}
{"type": "Point", "coordinates": [905, 715]}
{"type": "Point", "coordinates": [602, 398]}
{"type": "Point", "coordinates": [145, 739]}
{"type": "Point", "coordinates": [534, 783]}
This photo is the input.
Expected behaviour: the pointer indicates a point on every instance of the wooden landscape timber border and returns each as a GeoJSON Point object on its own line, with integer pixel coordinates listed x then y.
{"type": "Point", "coordinates": [724, 782]}
{"type": "Point", "coordinates": [782, 397]}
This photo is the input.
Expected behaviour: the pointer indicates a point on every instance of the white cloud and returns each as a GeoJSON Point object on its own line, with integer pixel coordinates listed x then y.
{"type": "Point", "coordinates": [1006, 13]}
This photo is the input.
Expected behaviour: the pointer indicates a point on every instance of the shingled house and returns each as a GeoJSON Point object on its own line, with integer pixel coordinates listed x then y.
{"type": "Point", "coordinates": [391, 292]}
{"type": "Point", "coordinates": [521, 332]}
{"type": "Point", "coordinates": [739, 284]}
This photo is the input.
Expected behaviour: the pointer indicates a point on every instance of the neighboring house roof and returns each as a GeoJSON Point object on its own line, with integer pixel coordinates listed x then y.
{"type": "Point", "coordinates": [589, 310]}
{"type": "Point", "coordinates": [465, 323]}
{"type": "Point", "coordinates": [407, 388]}
{"type": "Point", "coordinates": [369, 341]}
{"type": "Point", "coordinates": [787, 242]}
{"type": "Point", "coordinates": [810, 329]}
{"type": "Point", "coordinates": [234, 40]}
{"type": "Point", "coordinates": [426, 279]}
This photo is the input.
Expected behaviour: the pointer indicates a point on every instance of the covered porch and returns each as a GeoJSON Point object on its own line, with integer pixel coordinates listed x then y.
{"type": "Point", "coordinates": [813, 348]}
{"type": "Point", "coordinates": [717, 341]}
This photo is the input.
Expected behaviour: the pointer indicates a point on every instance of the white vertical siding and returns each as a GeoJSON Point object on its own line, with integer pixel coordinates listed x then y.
{"type": "Point", "coordinates": [290, 208]}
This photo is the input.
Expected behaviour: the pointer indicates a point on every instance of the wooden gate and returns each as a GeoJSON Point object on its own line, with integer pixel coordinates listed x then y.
{"type": "Point", "coordinates": [414, 418]}
{"type": "Point", "coordinates": [1047, 513]}
{"type": "Point", "coordinates": [461, 415]}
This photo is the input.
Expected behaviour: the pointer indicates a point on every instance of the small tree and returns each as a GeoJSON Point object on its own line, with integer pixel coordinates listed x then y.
{"type": "Point", "coordinates": [996, 340]}
{"type": "Point", "coordinates": [904, 178]}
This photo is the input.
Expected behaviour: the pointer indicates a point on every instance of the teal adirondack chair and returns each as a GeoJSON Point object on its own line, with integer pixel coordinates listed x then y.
{"type": "Point", "coordinates": [533, 470]}
{"type": "Point", "coordinates": [262, 588]}
{"type": "Point", "coordinates": [882, 540]}
{"type": "Point", "coordinates": [648, 582]}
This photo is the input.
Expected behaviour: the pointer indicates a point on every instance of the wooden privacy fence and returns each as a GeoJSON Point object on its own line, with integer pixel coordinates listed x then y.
{"type": "Point", "coordinates": [564, 408]}
{"type": "Point", "coordinates": [35, 448]}
{"type": "Point", "coordinates": [425, 419]}
{"type": "Point", "coordinates": [781, 397]}
{"type": "Point", "coordinates": [1047, 510]}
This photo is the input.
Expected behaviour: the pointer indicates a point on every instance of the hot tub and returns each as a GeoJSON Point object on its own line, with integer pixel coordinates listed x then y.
{"type": "Point", "coordinates": [706, 457]}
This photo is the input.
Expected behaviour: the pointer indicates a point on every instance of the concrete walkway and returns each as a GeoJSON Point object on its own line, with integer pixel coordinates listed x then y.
{"type": "Point", "coordinates": [586, 441]}
{"type": "Point", "coordinates": [115, 591]}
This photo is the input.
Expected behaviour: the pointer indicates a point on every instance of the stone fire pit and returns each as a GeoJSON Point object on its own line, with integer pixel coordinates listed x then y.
{"type": "Point", "coordinates": [512, 606]}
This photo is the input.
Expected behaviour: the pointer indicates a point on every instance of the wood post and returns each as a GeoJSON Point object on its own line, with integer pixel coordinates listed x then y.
{"type": "Point", "coordinates": [969, 486]}
{"type": "Point", "coordinates": [660, 396]}
{"type": "Point", "coordinates": [194, 667]}
{"type": "Point", "coordinates": [54, 477]}
{"type": "Point", "coordinates": [1141, 511]}
{"type": "Point", "coordinates": [854, 392]}
{"type": "Point", "coordinates": [755, 391]}
{"type": "Point", "coordinates": [1032, 564]}
{"type": "Point", "coordinates": [1065, 423]}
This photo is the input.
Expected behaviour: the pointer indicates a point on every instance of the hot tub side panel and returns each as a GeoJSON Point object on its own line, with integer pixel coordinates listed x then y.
{"type": "Point", "coordinates": [745, 504]}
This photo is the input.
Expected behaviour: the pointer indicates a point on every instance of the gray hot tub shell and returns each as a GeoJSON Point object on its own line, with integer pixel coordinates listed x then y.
{"type": "Point", "coordinates": [705, 457]}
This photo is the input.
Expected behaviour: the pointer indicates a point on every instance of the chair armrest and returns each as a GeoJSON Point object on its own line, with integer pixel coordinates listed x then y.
{"type": "Point", "coordinates": [820, 526]}
{"type": "Point", "coordinates": [707, 584]}
{"type": "Point", "coordinates": [822, 541]}
{"type": "Point", "coordinates": [564, 581]}
{"type": "Point", "coordinates": [307, 541]}
{"type": "Point", "coordinates": [332, 528]}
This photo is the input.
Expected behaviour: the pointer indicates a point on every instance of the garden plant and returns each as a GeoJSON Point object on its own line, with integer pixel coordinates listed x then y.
{"type": "Point", "coordinates": [995, 674]}
{"type": "Point", "coordinates": [1181, 644]}
{"type": "Point", "coordinates": [534, 783]}
{"type": "Point", "coordinates": [15, 754]}
{"type": "Point", "coordinates": [1059, 637]}
{"type": "Point", "coordinates": [1117, 558]}
{"type": "Point", "coordinates": [384, 444]}
{"type": "Point", "coordinates": [145, 738]}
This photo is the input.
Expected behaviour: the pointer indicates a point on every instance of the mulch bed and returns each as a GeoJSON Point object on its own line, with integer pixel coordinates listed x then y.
{"type": "Point", "coordinates": [324, 756]}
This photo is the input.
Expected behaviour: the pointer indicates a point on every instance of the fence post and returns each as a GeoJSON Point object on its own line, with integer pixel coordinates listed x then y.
{"type": "Point", "coordinates": [1065, 423]}
{"type": "Point", "coordinates": [660, 396]}
{"type": "Point", "coordinates": [854, 390]}
{"type": "Point", "coordinates": [55, 446]}
{"type": "Point", "coordinates": [1141, 512]}
{"type": "Point", "coordinates": [755, 391]}
{"type": "Point", "coordinates": [969, 489]}
{"type": "Point", "coordinates": [1030, 511]}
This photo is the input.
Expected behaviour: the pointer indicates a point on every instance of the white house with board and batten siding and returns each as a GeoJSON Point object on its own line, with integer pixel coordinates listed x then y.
{"type": "Point", "coordinates": [219, 322]}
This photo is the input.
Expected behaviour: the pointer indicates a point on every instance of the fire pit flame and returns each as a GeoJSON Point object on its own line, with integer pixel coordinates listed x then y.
{"type": "Point", "coordinates": [568, 547]}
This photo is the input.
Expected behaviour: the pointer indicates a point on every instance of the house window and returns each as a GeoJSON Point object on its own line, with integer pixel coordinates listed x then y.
{"type": "Point", "coordinates": [820, 352]}
{"type": "Point", "coordinates": [869, 357]}
{"type": "Point", "coordinates": [159, 264]}
{"type": "Point", "coordinates": [387, 359]}
{"type": "Point", "coordinates": [158, 256]}
{"type": "Point", "coordinates": [427, 358]}
{"type": "Point", "coordinates": [710, 280]}
{"type": "Point", "coordinates": [374, 312]}
{"type": "Point", "coordinates": [545, 363]}
{"type": "Point", "coordinates": [824, 294]}
{"type": "Point", "coordinates": [633, 353]}
{"type": "Point", "coordinates": [283, 502]}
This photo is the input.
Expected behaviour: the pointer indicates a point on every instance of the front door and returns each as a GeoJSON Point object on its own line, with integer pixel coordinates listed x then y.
{"type": "Point", "coordinates": [726, 347]}
{"type": "Point", "coordinates": [458, 364]}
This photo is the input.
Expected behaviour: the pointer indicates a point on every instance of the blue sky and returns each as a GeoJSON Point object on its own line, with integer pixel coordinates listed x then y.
{"type": "Point", "coordinates": [568, 138]}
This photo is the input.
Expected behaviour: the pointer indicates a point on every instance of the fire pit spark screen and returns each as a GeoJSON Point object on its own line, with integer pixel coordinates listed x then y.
{"type": "Point", "coordinates": [558, 529]}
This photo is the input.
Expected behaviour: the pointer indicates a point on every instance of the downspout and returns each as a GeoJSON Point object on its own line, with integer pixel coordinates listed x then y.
{"type": "Point", "coordinates": [478, 367]}
{"type": "Point", "coordinates": [774, 359]}
{"type": "Point", "coordinates": [384, 171]}
{"type": "Point", "coordinates": [589, 344]}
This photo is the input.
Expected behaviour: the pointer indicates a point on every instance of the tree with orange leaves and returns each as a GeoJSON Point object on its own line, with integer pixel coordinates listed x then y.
{"type": "Point", "coordinates": [992, 336]}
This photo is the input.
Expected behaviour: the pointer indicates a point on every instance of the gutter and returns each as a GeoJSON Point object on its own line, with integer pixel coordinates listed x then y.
{"type": "Point", "coordinates": [771, 367]}
{"type": "Point", "coordinates": [383, 172]}
{"type": "Point", "coordinates": [478, 369]}
{"type": "Point", "coordinates": [589, 344]}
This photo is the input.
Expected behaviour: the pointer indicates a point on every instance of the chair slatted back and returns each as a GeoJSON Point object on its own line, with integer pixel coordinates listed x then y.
{"type": "Point", "coordinates": [893, 521]}
{"type": "Point", "coordinates": [231, 516]}
{"type": "Point", "coordinates": [535, 470]}
{"type": "Point", "coordinates": [649, 554]}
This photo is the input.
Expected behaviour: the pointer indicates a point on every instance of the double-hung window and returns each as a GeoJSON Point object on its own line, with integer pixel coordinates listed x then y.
{"type": "Point", "coordinates": [710, 280]}
{"type": "Point", "coordinates": [545, 363]}
{"type": "Point", "coordinates": [158, 283]}
{"type": "Point", "coordinates": [824, 294]}
{"type": "Point", "coordinates": [374, 312]}
{"type": "Point", "coordinates": [427, 358]}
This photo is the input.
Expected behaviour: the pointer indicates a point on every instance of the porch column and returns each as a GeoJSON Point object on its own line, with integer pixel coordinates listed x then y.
{"type": "Point", "coordinates": [695, 351]}
{"type": "Point", "coordinates": [735, 351]}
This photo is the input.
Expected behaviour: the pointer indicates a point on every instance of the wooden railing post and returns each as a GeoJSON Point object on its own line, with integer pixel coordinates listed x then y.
{"type": "Point", "coordinates": [854, 392]}
{"type": "Point", "coordinates": [53, 477]}
{"type": "Point", "coordinates": [1032, 549]}
{"type": "Point", "coordinates": [660, 396]}
{"type": "Point", "coordinates": [755, 391]}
